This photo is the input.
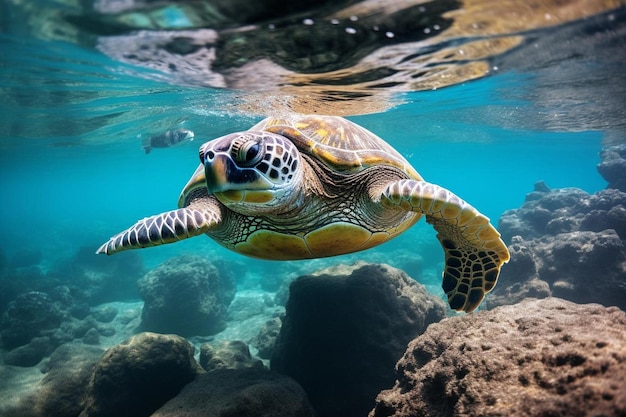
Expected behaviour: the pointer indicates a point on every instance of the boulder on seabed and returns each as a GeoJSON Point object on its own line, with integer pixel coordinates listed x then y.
{"type": "Point", "coordinates": [249, 392]}
{"type": "Point", "coordinates": [613, 166]}
{"type": "Point", "coordinates": [186, 295]}
{"type": "Point", "coordinates": [227, 354]}
{"type": "Point", "coordinates": [345, 328]}
{"type": "Point", "coordinates": [32, 314]}
{"type": "Point", "coordinates": [546, 357]}
{"type": "Point", "coordinates": [62, 391]}
{"type": "Point", "coordinates": [139, 375]}
{"type": "Point", "coordinates": [265, 339]}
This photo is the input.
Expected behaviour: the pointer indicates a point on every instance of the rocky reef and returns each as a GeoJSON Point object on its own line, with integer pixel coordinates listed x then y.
{"type": "Point", "coordinates": [90, 280]}
{"type": "Point", "coordinates": [547, 357]}
{"type": "Point", "coordinates": [345, 328]}
{"type": "Point", "coordinates": [36, 323]}
{"type": "Point", "coordinates": [568, 243]}
{"type": "Point", "coordinates": [227, 354]}
{"type": "Point", "coordinates": [613, 166]}
{"type": "Point", "coordinates": [186, 295]}
{"type": "Point", "coordinates": [137, 376]}
{"type": "Point", "coordinates": [340, 349]}
{"type": "Point", "coordinates": [239, 392]}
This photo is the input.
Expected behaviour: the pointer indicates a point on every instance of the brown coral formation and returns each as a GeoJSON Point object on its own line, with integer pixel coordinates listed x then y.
{"type": "Point", "coordinates": [545, 357]}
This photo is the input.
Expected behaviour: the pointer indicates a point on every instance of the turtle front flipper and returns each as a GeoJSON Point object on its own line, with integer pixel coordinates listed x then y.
{"type": "Point", "coordinates": [163, 228]}
{"type": "Point", "coordinates": [474, 252]}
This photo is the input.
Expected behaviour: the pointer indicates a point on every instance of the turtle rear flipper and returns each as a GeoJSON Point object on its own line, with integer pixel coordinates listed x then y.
{"type": "Point", "coordinates": [474, 252]}
{"type": "Point", "coordinates": [163, 228]}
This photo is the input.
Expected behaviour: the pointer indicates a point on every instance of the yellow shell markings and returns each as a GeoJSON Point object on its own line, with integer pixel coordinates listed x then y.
{"type": "Point", "coordinates": [339, 143]}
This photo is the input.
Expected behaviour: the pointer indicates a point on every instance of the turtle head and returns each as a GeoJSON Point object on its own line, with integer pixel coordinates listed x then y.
{"type": "Point", "coordinates": [251, 170]}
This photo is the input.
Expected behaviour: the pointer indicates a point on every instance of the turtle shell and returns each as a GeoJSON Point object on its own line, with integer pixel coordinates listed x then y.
{"type": "Point", "coordinates": [341, 145]}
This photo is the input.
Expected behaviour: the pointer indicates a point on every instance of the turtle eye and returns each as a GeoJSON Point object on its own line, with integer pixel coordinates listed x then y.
{"type": "Point", "coordinates": [247, 153]}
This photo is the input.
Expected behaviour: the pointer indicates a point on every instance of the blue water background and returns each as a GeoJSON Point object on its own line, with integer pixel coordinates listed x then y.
{"type": "Point", "coordinates": [70, 180]}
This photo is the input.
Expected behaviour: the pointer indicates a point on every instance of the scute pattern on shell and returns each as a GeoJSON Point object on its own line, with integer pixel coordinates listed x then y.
{"type": "Point", "coordinates": [338, 143]}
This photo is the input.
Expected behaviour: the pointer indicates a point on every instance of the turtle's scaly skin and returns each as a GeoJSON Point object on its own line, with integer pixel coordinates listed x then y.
{"type": "Point", "coordinates": [316, 186]}
{"type": "Point", "coordinates": [168, 227]}
{"type": "Point", "coordinates": [473, 249]}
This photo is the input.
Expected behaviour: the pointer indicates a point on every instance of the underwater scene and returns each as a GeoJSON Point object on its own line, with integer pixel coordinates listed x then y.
{"type": "Point", "coordinates": [313, 208]}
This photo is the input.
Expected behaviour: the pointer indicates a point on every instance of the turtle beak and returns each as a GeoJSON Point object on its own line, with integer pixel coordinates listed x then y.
{"type": "Point", "coordinates": [197, 180]}
{"type": "Point", "coordinates": [223, 174]}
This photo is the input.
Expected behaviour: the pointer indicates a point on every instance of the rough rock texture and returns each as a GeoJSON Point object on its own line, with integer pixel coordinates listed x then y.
{"type": "Point", "coordinates": [227, 354]}
{"type": "Point", "coordinates": [61, 392]}
{"type": "Point", "coordinates": [239, 393]}
{"type": "Point", "coordinates": [30, 354]}
{"type": "Point", "coordinates": [28, 316]}
{"type": "Point", "coordinates": [544, 358]}
{"type": "Point", "coordinates": [89, 280]}
{"type": "Point", "coordinates": [613, 166]}
{"type": "Point", "coordinates": [139, 375]}
{"type": "Point", "coordinates": [36, 323]}
{"type": "Point", "coordinates": [344, 330]}
{"type": "Point", "coordinates": [64, 387]}
{"type": "Point", "coordinates": [565, 243]}
{"type": "Point", "coordinates": [186, 295]}
{"type": "Point", "coordinates": [265, 339]}
{"type": "Point", "coordinates": [104, 314]}
{"type": "Point", "coordinates": [555, 211]}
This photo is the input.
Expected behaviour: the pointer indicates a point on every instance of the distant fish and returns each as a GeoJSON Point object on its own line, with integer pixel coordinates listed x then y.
{"type": "Point", "coordinates": [167, 139]}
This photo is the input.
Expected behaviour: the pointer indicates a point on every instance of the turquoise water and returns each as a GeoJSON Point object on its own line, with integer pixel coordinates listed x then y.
{"type": "Point", "coordinates": [73, 171]}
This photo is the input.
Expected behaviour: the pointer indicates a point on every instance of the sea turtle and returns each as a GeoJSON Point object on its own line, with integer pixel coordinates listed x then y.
{"type": "Point", "coordinates": [314, 186]}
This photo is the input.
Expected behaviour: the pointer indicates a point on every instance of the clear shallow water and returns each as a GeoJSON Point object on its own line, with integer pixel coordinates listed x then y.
{"type": "Point", "coordinates": [73, 171]}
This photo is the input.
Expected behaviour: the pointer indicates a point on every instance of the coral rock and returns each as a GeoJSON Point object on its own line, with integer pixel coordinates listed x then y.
{"type": "Point", "coordinates": [30, 354]}
{"type": "Point", "coordinates": [613, 166]}
{"type": "Point", "coordinates": [138, 376]}
{"type": "Point", "coordinates": [186, 295]}
{"type": "Point", "coordinates": [240, 393]}
{"type": "Point", "coordinates": [345, 328]}
{"type": "Point", "coordinates": [61, 392]}
{"type": "Point", "coordinates": [227, 354]}
{"type": "Point", "coordinates": [545, 357]}
{"type": "Point", "coordinates": [29, 315]}
{"type": "Point", "coordinates": [265, 339]}
{"type": "Point", "coordinates": [565, 243]}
